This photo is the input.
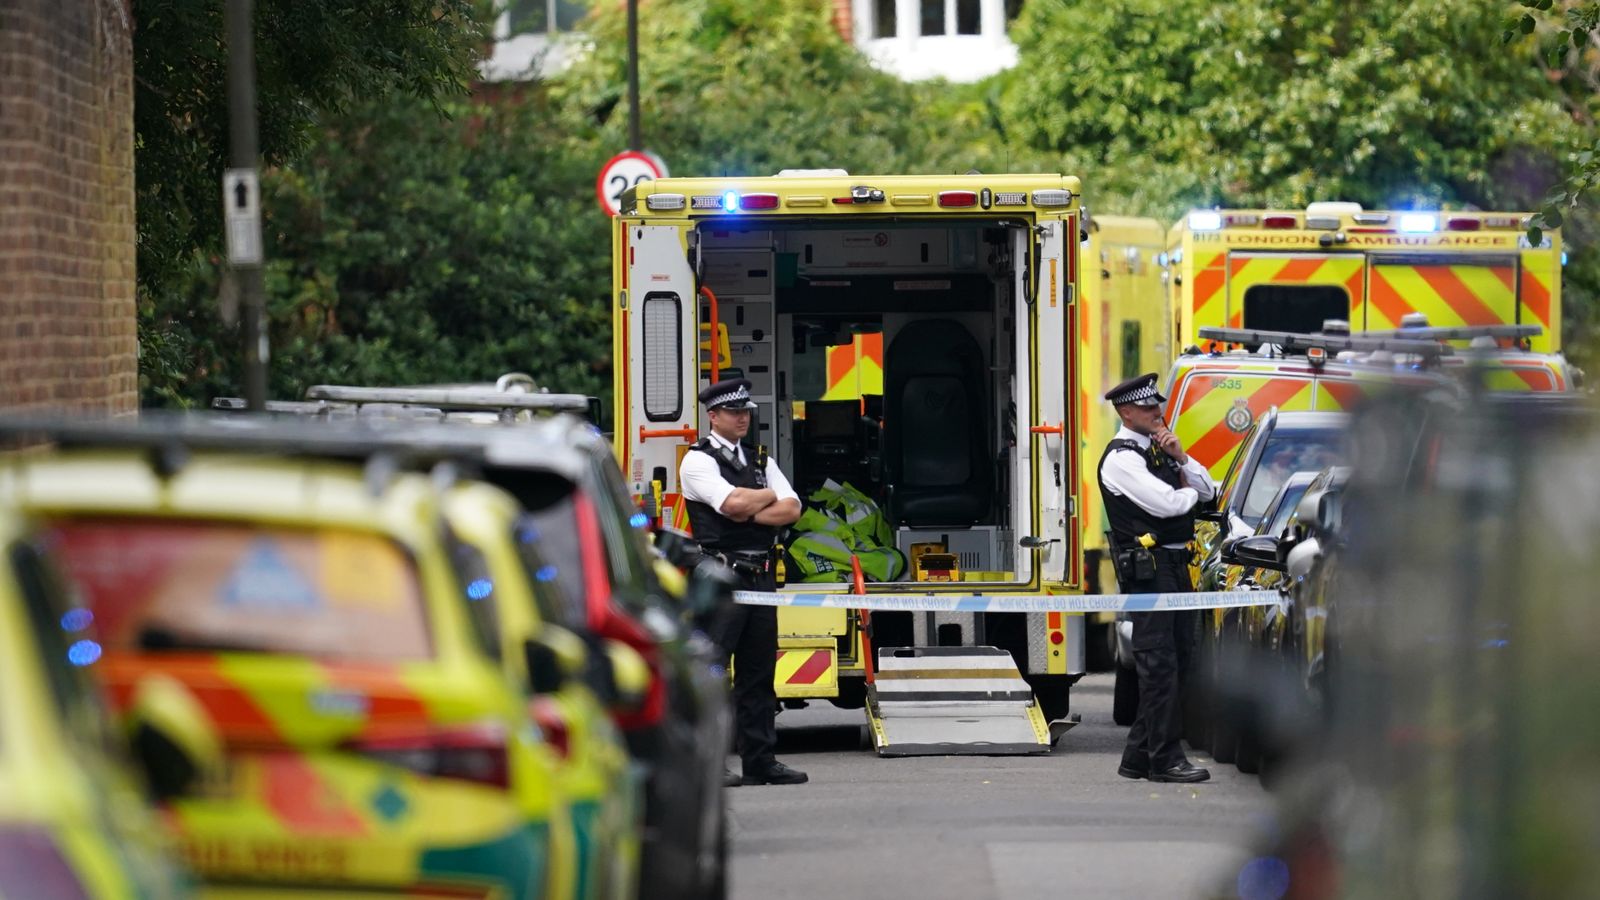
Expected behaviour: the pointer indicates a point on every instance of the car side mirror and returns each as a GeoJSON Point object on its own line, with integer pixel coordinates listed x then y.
{"type": "Point", "coordinates": [1210, 511]}
{"type": "Point", "coordinates": [1259, 550]}
{"type": "Point", "coordinates": [711, 586]}
{"type": "Point", "coordinates": [1225, 552]}
{"type": "Point", "coordinates": [172, 737]}
{"type": "Point", "coordinates": [554, 657]}
{"type": "Point", "coordinates": [678, 548]}
{"type": "Point", "coordinates": [630, 675]}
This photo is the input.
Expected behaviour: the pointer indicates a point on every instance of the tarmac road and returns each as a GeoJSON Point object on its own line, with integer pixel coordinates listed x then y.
{"type": "Point", "coordinates": [984, 828]}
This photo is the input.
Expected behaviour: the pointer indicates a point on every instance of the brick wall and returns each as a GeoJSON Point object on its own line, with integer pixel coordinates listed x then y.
{"type": "Point", "coordinates": [67, 315]}
{"type": "Point", "coordinates": [842, 20]}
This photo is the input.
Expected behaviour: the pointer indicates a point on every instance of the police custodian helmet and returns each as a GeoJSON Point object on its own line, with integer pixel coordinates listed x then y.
{"type": "Point", "coordinates": [733, 393]}
{"type": "Point", "coordinates": [1140, 391]}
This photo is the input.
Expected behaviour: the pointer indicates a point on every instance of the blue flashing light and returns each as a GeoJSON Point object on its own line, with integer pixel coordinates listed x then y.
{"type": "Point", "coordinates": [1419, 223]}
{"type": "Point", "coordinates": [83, 653]}
{"type": "Point", "coordinates": [1205, 220]}
{"type": "Point", "coordinates": [546, 573]}
{"type": "Point", "coordinates": [1563, 258]}
{"type": "Point", "coordinates": [527, 534]}
{"type": "Point", "coordinates": [1263, 878]}
{"type": "Point", "coordinates": [77, 619]}
{"type": "Point", "coordinates": [480, 588]}
{"type": "Point", "coordinates": [639, 520]}
{"type": "Point", "coordinates": [730, 201]}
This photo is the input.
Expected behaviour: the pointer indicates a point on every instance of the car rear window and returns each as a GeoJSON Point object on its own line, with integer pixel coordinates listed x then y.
{"type": "Point", "coordinates": [1284, 510]}
{"type": "Point", "coordinates": [1286, 453]}
{"type": "Point", "coordinates": [330, 594]}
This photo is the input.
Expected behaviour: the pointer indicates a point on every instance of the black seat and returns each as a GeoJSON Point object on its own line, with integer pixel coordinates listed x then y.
{"type": "Point", "coordinates": [936, 427]}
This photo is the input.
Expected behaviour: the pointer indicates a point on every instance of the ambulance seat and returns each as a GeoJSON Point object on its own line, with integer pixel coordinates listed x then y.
{"type": "Point", "coordinates": [935, 427]}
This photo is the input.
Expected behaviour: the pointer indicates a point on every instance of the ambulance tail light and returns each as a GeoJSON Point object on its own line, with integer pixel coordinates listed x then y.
{"type": "Point", "coordinates": [958, 198]}
{"type": "Point", "coordinates": [1279, 222]}
{"type": "Point", "coordinates": [475, 753]}
{"type": "Point", "coordinates": [31, 862]}
{"type": "Point", "coordinates": [758, 201]}
{"type": "Point", "coordinates": [547, 714]}
{"type": "Point", "coordinates": [1051, 197]}
{"type": "Point", "coordinates": [657, 202]}
{"type": "Point", "coordinates": [1463, 223]}
{"type": "Point", "coordinates": [1205, 220]}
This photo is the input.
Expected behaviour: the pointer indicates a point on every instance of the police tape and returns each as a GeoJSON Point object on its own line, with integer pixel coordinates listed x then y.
{"type": "Point", "coordinates": [1013, 603]}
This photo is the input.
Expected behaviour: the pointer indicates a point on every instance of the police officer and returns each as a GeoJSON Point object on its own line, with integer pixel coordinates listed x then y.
{"type": "Point", "coordinates": [1151, 487]}
{"type": "Point", "coordinates": [737, 505]}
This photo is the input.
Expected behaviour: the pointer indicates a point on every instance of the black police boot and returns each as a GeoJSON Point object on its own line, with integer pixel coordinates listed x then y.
{"type": "Point", "coordinates": [1182, 773]}
{"type": "Point", "coordinates": [777, 773]}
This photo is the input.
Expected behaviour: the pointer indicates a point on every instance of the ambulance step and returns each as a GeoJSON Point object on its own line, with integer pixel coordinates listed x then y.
{"type": "Point", "coordinates": [942, 701]}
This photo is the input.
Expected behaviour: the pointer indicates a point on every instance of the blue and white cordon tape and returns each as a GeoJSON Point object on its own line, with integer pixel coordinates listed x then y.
{"type": "Point", "coordinates": [1014, 603]}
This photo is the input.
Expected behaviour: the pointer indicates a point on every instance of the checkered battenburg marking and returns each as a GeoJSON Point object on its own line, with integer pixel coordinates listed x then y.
{"type": "Point", "coordinates": [1140, 393]}
{"type": "Point", "coordinates": [741, 393]}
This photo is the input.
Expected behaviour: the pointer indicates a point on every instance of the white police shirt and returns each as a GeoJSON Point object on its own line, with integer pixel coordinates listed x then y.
{"type": "Point", "coordinates": [1126, 475]}
{"type": "Point", "coordinates": [701, 480]}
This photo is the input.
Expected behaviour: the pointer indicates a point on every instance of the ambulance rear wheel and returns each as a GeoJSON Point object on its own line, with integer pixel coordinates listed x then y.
{"type": "Point", "coordinates": [852, 694]}
{"type": "Point", "coordinates": [1125, 696]}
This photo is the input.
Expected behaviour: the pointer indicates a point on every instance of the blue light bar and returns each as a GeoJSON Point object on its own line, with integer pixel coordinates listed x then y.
{"type": "Point", "coordinates": [1418, 223]}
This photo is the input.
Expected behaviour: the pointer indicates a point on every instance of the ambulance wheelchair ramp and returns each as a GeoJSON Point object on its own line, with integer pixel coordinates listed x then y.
{"type": "Point", "coordinates": [942, 701]}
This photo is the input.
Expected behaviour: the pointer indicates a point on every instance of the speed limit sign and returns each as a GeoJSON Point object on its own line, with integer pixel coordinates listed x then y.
{"type": "Point", "coordinates": [623, 171]}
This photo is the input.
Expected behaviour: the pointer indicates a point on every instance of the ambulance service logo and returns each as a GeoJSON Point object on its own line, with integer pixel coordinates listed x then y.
{"type": "Point", "coordinates": [1239, 418]}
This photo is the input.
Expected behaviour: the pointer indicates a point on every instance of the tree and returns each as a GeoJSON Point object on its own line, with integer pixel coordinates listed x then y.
{"type": "Point", "coordinates": [1277, 102]}
{"type": "Point", "coordinates": [312, 59]}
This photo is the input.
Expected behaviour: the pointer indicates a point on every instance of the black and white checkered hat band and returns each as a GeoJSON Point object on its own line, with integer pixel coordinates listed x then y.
{"type": "Point", "coordinates": [739, 394]}
{"type": "Point", "coordinates": [1144, 395]}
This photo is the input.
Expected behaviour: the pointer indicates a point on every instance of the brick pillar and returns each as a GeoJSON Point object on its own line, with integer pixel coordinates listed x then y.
{"type": "Point", "coordinates": [843, 20]}
{"type": "Point", "coordinates": [68, 335]}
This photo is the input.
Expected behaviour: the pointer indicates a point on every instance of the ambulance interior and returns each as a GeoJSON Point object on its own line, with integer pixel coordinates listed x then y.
{"type": "Point", "coordinates": [884, 355]}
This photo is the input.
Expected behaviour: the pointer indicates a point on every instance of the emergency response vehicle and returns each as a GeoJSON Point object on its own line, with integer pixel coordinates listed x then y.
{"type": "Point", "coordinates": [970, 284]}
{"type": "Point", "coordinates": [1124, 333]}
{"type": "Point", "coordinates": [1289, 270]}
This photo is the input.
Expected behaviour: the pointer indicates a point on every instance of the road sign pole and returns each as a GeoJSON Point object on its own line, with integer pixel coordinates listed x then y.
{"type": "Point", "coordinates": [635, 139]}
{"type": "Point", "coordinates": [241, 198]}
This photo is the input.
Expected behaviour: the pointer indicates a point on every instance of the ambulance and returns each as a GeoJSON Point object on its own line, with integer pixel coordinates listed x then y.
{"type": "Point", "coordinates": [960, 291]}
{"type": "Point", "coordinates": [1123, 320]}
{"type": "Point", "coordinates": [1290, 270]}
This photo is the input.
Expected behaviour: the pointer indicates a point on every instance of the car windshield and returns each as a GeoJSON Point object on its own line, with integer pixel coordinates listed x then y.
{"type": "Point", "coordinates": [1286, 453]}
{"type": "Point", "coordinates": [1284, 510]}
{"type": "Point", "coordinates": [329, 594]}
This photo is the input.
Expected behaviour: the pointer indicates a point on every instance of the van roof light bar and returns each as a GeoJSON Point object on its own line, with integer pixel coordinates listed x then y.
{"type": "Point", "coordinates": [451, 398]}
{"type": "Point", "coordinates": [1292, 341]}
{"type": "Point", "coordinates": [1461, 332]}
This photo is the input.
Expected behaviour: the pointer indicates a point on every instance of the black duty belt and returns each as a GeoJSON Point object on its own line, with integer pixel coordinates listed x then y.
{"type": "Point", "coordinates": [745, 562]}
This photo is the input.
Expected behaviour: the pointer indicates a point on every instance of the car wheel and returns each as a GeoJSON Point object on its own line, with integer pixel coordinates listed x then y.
{"type": "Point", "coordinates": [1125, 697]}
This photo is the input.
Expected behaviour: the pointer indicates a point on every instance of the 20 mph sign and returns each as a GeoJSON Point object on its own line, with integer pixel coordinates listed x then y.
{"type": "Point", "coordinates": [623, 171]}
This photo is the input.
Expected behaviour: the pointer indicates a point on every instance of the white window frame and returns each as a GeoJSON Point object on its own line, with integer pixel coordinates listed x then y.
{"type": "Point", "coordinates": [658, 364]}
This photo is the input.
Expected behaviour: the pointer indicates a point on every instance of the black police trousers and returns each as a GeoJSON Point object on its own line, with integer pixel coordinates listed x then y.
{"type": "Point", "coordinates": [750, 635]}
{"type": "Point", "coordinates": [1162, 645]}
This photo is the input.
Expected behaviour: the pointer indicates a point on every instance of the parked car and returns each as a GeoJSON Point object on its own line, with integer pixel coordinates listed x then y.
{"type": "Point", "coordinates": [75, 819]}
{"type": "Point", "coordinates": [313, 609]}
{"type": "Point", "coordinates": [1275, 445]}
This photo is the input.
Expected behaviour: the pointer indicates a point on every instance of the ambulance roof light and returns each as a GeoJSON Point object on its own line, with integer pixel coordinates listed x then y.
{"type": "Point", "coordinates": [730, 201]}
{"type": "Point", "coordinates": [813, 173]}
{"type": "Point", "coordinates": [1418, 223]}
{"type": "Point", "coordinates": [1332, 208]}
{"type": "Point", "coordinates": [1205, 220]}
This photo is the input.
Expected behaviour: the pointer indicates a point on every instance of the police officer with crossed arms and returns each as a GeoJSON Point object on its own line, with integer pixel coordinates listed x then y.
{"type": "Point", "coordinates": [737, 506]}
{"type": "Point", "coordinates": [1151, 487]}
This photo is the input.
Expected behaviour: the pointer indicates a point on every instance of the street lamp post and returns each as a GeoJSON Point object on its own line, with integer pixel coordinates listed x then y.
{"type": "Point", "coordinates": [241, 198]}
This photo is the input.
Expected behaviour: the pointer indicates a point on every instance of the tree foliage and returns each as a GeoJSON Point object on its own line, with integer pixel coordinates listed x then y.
{"type": "Point", "coordinates": [1281, 102]}
{"type": "Point", "coordinates": [312, 59]}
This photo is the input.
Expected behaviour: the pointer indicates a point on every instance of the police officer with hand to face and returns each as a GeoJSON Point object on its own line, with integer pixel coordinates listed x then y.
{"type": "Point", "coordinates": [1151, 488]}
{"type": "Point", "coordinates": [738, 503]}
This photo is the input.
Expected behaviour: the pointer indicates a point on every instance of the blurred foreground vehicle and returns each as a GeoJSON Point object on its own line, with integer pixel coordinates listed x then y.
{"type": "Point", "coordinates": [313, 609]}
{"type": "Point", "coordinates": [1456, 754]}
{"type": "Point", "coordinates": [73, 819]}
{"type": "Point", "coordinates": [582, 519]}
